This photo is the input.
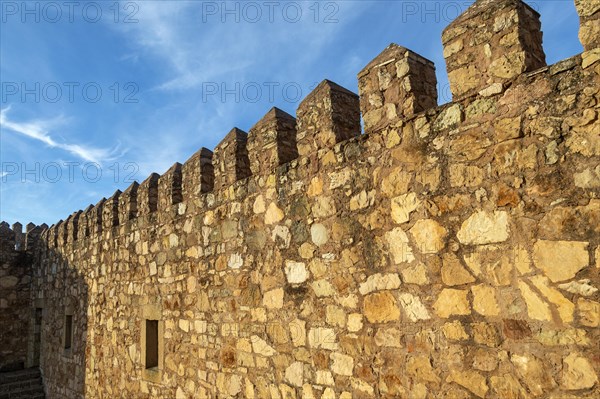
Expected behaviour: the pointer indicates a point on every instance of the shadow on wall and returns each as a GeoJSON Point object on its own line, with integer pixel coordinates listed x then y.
{"type": "Point", "coordinates": [61, 292]}
{"type": "Point", "coordinates": [16, 272]}
{"type": "Point", "coordinates": [44, 301]}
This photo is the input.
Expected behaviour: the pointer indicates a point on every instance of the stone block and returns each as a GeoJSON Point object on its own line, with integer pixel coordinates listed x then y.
{"type": "Point", "coordinates": [230, 159]}
{"type": "Point", "coordinates": [128, 203]}
{"type": "Point", "coordinates": [169, 187]}
{"type": "Point", "coordinates": [272, 141]}
{"type": "Point", "coordinates": [73, 226]}
{"type": "Point", "coordinates": [328, 115]}
{"type": "Point", "coordinates": [492, 42]}
{"type": "Point", "coordinates": [398, 83]}
{"type": "Point", "coordinates": [95, 217]}
{"type": "Point", "coordinates": [198, 174]}
{"type": "Point", "coordinates": [589, 18]}
{"type": "Point", "coordinates": [110, 211]}
{"type": "Point", "coordinates": [147, 198]}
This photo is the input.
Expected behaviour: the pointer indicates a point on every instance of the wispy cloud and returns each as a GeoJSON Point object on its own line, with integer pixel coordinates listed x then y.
{"type": "Point", "coordinates": [39, 130]}
{"type": "Point", "coordinates": [198, 51]}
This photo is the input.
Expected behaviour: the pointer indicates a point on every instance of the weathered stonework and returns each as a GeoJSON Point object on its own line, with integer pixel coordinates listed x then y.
{"type": "Point", "coordinates": [491, 43]}
{"type": "Point", "coordinates": [230, 159]}
{"type": "Point", "coordinates": [198, 174]}
{"type": "Point", "coordinates": [589, 32]}
{"type": "Point", "coordinates": [272, 141]}
{"type": "Point", "coordinates": [328, 115]}
{"type": "Point", "coordinates": [450, 254]}
{"type": "Point", "coordinates": [20, 314]}
{"type": "Point", "coordinates": [397, 84]}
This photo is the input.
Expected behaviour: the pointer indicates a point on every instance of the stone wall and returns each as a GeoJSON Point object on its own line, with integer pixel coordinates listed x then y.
{"type": "Point", "coordinates": [16, 306]}
{"type": "Point", "coordinates": [451, 252]}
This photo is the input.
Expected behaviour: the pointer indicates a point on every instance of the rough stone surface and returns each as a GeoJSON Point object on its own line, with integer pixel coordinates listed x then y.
{"type": "Point", "coordinates": [453, 253]}
{"type": "Point", "coordinates": [397, 83]}
{"type": "Point", "coordinates": [561, 260]}
{"type": "Point", "coordinates": [534, 373]}
{"type": "Point", "coordinates": [452, 302]}
{"type": "Point", "coordinates": [472, 380]}
{"type": "Point", "coordinates": [578, 373]}
{"type": "Point", "coordinates": [296, 272]}
{"type": "Point", "coordinates": [537, 308]}
{"type": "Point", "coordinates": [402, 207]}
{"type": "Point", "coordinates": [429, 235]}
{"type": "Point", "coordinates": [589, 14]}
{"type": "Point", "coordinates": [453, 272]}
{"type": "Point", "coordinates": [413, 307]}
{"type": "Point", "coordinates": [381, 307]}
{"type": "Point", "coordinates": [342, 364]}
{"type": "Point", "coordinates": [484, 228]}
{"type": "Point", "coordinates": [490, 43]}
{"type": "Point", "coordinates": [379, 282]}
{"type": "Point", "coordinates": [485, 301]}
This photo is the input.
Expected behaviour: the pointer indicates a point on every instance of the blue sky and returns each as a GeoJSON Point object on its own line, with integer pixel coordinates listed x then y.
{"type": "Point", "coordinates": [97, 94]}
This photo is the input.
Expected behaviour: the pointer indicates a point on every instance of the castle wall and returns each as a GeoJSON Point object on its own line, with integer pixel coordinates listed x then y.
{"type": "Point", "coordinates": [454, 253]}
{"type": "Point", "coordinates": [15, 279]}
{"type": "Point", "coordinates": [18, 311]}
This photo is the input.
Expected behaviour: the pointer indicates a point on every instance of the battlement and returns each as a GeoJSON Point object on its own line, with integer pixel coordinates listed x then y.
{"type": "Point", "coordinates": [14, 239]}
{"type": "Point", "coordinates": [397, 84]}
{"type": "Point", "coordinates": [272, 142]}
{"type": "Point", "coordinates": [589, 15]}
{"type": "Point", "coordinates": [491, 45]}
{"type": "Point", "coordinates": [284, 262]}
{"type": "Point", "coordinates": [198, 174]}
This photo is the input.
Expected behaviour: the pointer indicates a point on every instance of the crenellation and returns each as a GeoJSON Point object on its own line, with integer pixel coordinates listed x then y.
{"type": "Point", "coordinates": [17, 228]}
{"type": "Point", "coordinates": [15, 291]}
{"type": "Point", "coordinates": [50, 234]}
{"type": "Point", "coordinates": [54, 234]}
{"type": "Point", "coordinates": [491, 43]}
{"type": "Point", "coordinates": [230, 159]}
{"type": "Point", "coordinates": [84, 225]}
{"type": "Point", "coordinates": [7, 237]}
{"type": "Point", "coordinates": [30, 226]}
{"type": "Point", "coordinates": [198, 175]}
{"type": "Point", "coordinates": [397, 84]}
{"type": "Point", "coordinates": [147, 198]}
{"type": "Point", "coordinates": [73, 227]}
{"type": "Point", "coordinates": [272, 141]}
{"type": "Point", "coordinates": [94, 218]}
{"type": "Point", "coordinates": [33, 236]}
{"type": "Point", "coordinates": [328, 115]}
{"type": "Point", "coordinates": [453, 253]}
{"type": "Point", "coordinates": [169, 187]}
{"type": "Point", "coordinates": [62, 233]}
{"type": "Point", "coordinates": [110, 212]}
{"type": "Point", "coordinates": [128, 204]}
{"type": "Point", "coordinates": [589, 30]}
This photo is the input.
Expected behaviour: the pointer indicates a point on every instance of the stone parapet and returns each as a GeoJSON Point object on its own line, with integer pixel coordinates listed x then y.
{"type": "Point", "coordinates": [491, 43]}
{"type": "Point", "coordinates": [272, 141]}
{"type": "Point", "coordinates": [397, 84]}
{"type": "Point", "coordinates": [328, 115]}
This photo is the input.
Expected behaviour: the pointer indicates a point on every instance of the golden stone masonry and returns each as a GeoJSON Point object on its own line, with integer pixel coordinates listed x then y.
{"type": "Point", "coordinates": [448, 252]}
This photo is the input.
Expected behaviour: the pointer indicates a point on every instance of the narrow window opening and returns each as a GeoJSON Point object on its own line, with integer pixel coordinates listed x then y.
{"type": "Point", "coordinates": [151, 344]}
{"type": "Point", "coordinates": [37, 336]}
{"type": "Point", "coordinates": [68, 331]}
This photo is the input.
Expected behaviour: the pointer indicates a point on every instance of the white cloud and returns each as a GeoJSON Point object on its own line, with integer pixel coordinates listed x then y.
{"type": "Point", "coordinates": [39, 130]}
{"type": "Point", "coordinates": [189, 52]}
{"type": "Point", "coordinates": [198, 51]}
